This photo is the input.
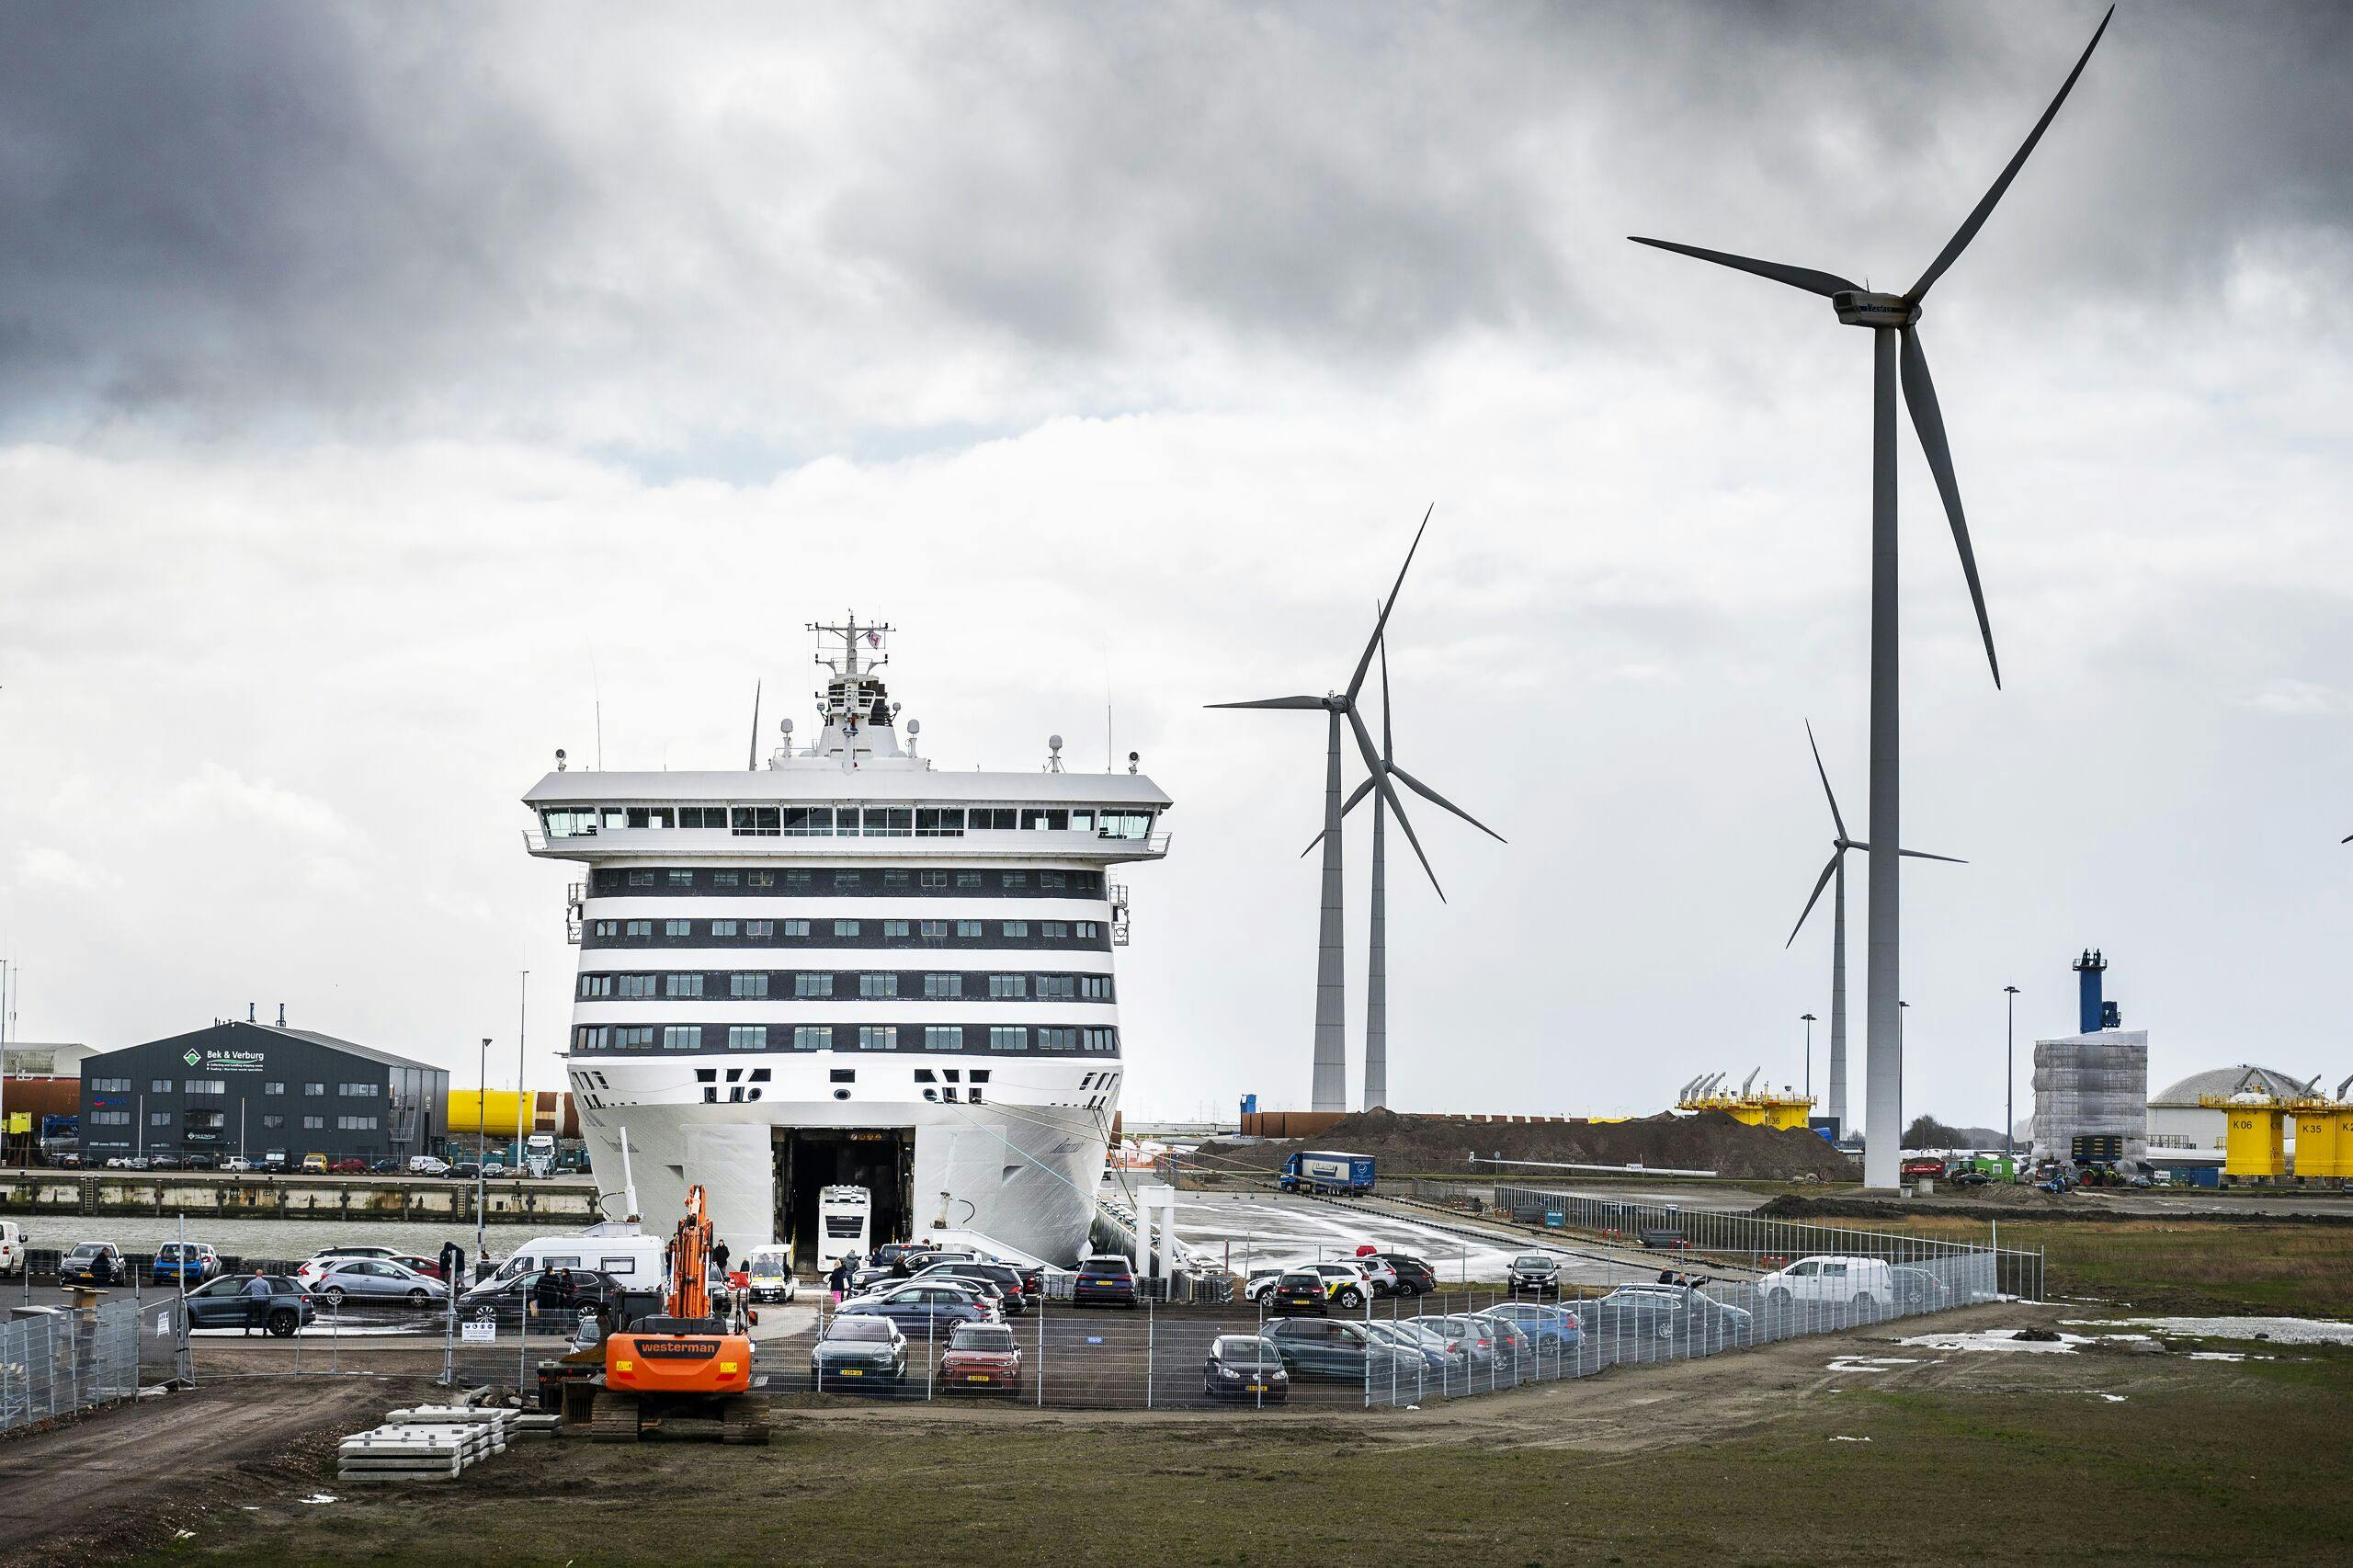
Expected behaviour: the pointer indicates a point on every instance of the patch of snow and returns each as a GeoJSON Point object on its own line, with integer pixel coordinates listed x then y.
{"type": "Point", "coordinates": [2283, 1331]}
{"type": "Point", "coordinates": [1872, 1363]}
{"type": "Point", "coordinates": [1850, 1439]}
{"type": "Point", "coordinates": [1997, 1339]}
{"type": "Point", "coordinates": [2224, 1356]}
{"type": "Point", "coordinates": [2113, 1398]}
{"type": "Point", "coordinates": [319, 1497]}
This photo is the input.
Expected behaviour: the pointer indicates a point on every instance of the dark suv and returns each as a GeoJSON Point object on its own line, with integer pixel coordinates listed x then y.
{"type": "Point", "coordinates": [1535, 1274]}
{"type": "Point", "coordinates": [1414, 1278]}
{"type": "Point", "coordinates": [1297, 1294]}
{"type": "Point", "coordinates": [1103, 1281]}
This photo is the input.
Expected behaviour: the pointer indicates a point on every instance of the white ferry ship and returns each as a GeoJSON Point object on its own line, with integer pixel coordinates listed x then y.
{"type": "Point", "coordinates": [849, 968]}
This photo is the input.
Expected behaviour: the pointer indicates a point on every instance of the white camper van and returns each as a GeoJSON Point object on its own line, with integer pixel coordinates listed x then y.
{"type": "Point", "coordinates": [635, 1261]}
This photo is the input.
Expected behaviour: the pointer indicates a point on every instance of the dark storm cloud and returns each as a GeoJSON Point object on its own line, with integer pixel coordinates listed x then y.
{"type": "Point", "coordinates": [256, 212]}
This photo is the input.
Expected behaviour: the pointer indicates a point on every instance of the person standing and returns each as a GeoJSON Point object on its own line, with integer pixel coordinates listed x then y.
{"type": "Point", "coordinates": [838, 1280]}
{"type": "Point", "coordinates": [258, 1293]}
{"type": "Point", "coordinates": [719, 1255]}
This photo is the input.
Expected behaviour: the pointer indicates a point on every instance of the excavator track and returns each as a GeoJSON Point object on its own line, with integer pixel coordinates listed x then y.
{"type": "Point", "coordinates": [744, 1418]}
{"type": "Point", "coordinates": [613, 1417]}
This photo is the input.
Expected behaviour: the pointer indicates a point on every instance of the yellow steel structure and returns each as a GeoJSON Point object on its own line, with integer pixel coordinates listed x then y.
{"type": "Point", "coordinates": [2254, 1142]}
{"type": "Point", "coordinates": [491, 1112]}
{"type": "Point", "coordinates": [2324, 1137]}
{"type": "Point", "coordinates": [1780, 1112]}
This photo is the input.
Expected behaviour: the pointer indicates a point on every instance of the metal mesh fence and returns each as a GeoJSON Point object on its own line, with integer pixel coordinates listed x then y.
{"type": "Point", "coordinates": [55, 1361]}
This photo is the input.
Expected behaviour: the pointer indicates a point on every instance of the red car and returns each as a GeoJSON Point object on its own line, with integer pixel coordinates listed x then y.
{"type": "Point", "coordinates": [981, 1356]}
{"type": "Point", "coordinates": [350, 1164]}
{"type": "Point", "coordinates": [428, 1267]}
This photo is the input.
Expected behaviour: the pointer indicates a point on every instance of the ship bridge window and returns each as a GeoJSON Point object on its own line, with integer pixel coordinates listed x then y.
{"type": "Point", "coordinates": [978, 1075]}
{"type": "Point", "coordinates": [702, 816]}
{"type": "Point", "coordinates": [682, 1037]}
{"type": "Point", "coordinates": [754, 821]}
{"type": "Point", "coordinates": [640, 879]}
{"type": "Point", "coordinates": [1053, 879]}
{"type": "Point", "coordinates": [649, 816]}
{"type": "Point", "coordinates": [843, 1075]}
{"type": "Point", "coordinates": [940, 821]}
{"type": "Point", "coordinates": [896, 881]}
{"type": "Point", "coordinates": [968, 879]}
{"type": "Point", "coordinates": [847, 878]}
{"type": "Point", "coordinates": [812, 1037]}
{"type": "Point", "coordinates": [570, 823]}
{"type": "Point", "coordinates": [993, 818]}
{"type": "Point", "coordinates": [808, 822]}
{"type": "Point", "coordinates": [889, 822]}
{"type": "Point", "coordinates": [1083, 821]}
{"type": "Point", "coordinates": [1016, 881]}
{"type": "Point", "coordinates": [726, 879]}
{"type": "Point", "coordinates": [679, 879]}
{"type": "Point", "coordinates": [942, 1036]}
{"type": "Point", "coordinates": [1054, 818]}
{"type": "Point", "coordinates": [616, 818]}
{"type": "Point", "coordinates": [1008, 1037]}
{"type": "Point", "coordinates": [1123, 825]}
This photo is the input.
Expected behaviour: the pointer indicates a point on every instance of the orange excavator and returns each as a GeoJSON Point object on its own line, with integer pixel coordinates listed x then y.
{"type": "Point", "coordinates": [685, 1365]}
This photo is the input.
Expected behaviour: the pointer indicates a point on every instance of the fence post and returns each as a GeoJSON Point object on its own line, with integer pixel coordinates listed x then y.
{"type": "Point", "coordinates": [1150, 1317]}
{"type": "Point", "coordinates": [1042, 1339]}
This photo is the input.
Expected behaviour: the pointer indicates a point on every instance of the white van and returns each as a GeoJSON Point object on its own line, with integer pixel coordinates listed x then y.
{"type": "Point", "coordinates": [12, 1248]}
{"type": "Point", "coordinates": [635, 1261]}
{"type": "Point", "coordinates": [1867, 1282]}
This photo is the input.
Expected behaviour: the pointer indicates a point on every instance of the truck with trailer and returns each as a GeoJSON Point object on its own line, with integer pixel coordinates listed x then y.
{"type": "Point", "coordinates": [1328, 1172]}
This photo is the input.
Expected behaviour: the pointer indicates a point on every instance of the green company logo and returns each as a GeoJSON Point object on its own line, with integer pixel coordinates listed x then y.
{"type": "Point", "coordinates": [191, 1058]}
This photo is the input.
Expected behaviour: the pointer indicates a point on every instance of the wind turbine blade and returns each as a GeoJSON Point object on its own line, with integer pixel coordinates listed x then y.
{"type": "Point", "coordinates": [1434, 798]}
{"type": "Point", "coordinates": [1968, 231]}
{"type": "Point", "coordinates": [1805, 278]}
{"type": "Point", "coordinates": [1273, 702]}
{"type": "Point", "coordinates": [1388, 741]}
{"type": "Point", "coordinates": [2347, 839]}
{"type": "Point", "coordinates": [1813, 898]}
{"type": "Point", "coordinates": [1920, 397]}
{"type": "Point", "coordinates": [1361, 791]}
{"type": "Point", "coordinates": [1380, 780]}
{"type": "Point", "coordinates": [1381, 625]}
{"type": "Point", "coordinates": [1836, 821]}
{"type": "Point", "coordinates": [1924, 855]}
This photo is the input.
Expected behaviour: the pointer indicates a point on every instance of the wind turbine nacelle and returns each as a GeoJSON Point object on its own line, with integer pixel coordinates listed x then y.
{"type": "Point", "coordinates": [1860, 307]}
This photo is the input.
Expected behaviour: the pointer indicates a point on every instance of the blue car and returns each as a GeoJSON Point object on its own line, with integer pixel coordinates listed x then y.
{"type": "Point", "coordinates": [927, 1311]}
{"type": "Point", "coordinates": [185, 1263]}
{"type": "Point", "coordinates": [1549, 1329]}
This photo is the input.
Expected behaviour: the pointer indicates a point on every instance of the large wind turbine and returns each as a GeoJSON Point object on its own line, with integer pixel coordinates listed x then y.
{"type": "Point", "coordinates": [1835, 871]}
{"type": "Point", "coordinates": [1330, 1086]}
{"type": "Point", "coordinates": [1376, 1002]}
{"type": "Point", "coordinates": [1893, 320]}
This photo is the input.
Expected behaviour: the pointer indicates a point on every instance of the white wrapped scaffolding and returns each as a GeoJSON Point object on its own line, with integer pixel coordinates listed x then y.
{"type": "Point", "coordinates": [2092, 1085]}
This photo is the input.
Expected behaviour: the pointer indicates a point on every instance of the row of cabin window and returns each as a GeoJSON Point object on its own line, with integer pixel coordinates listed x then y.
{"type": "Point", "coordinates": [866, 983]}
{"type": "Point", "coordinates": [214, 1121]}
{"type": "Point", "coordinates": [963, 930]}
{"type": "Point", "coordinates": [850, 822]}
{"type": "Point", "coordinates": [843, 879]}
{"type": "Point", "coordinates": [221, 1086]}
{"type": "Point", "coordinates": [842, 1037]}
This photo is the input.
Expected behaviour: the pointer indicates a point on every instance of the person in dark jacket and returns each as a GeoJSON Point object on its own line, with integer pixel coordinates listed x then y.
{"type": "Point", "coordinates": [838, 1280]}
{"type": "Point", "coordinates": [719, 1255]}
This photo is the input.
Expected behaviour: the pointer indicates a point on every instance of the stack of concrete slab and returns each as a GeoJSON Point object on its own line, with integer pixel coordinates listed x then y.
{"type": "Point", "coordinates": [433, 1442]}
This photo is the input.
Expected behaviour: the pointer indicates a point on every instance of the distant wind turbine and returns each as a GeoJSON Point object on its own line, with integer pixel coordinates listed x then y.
{"type": "Point", "coordinates": [1837, 871]}
{"type": "Point", "coordinates": [1894, 323]}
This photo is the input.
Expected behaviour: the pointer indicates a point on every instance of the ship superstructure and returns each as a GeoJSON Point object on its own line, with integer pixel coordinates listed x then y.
{"type": "Point", "coordinates": [849, 968]}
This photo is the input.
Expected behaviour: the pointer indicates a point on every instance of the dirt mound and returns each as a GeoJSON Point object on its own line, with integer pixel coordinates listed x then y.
{"type": "Point", "coordinates": [1441, 1145]}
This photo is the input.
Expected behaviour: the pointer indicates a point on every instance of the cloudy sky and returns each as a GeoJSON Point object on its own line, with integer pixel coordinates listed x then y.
{"type": "Point", "coordinates": [380, 386]}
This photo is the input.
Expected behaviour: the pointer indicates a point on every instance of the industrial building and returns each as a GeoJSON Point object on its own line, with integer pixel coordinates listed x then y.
{"type": "Point", "coordinates": [262, 1091]}
{"type": "Point", "coordinates": [2179, 1124]}
{"type": "Point", "coordinates": [2091, 1088]}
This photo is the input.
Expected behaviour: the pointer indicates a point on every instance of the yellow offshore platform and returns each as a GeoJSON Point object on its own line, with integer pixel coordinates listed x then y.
{"type": "Point", "coordinates": [2255, 1136]}
{"type": "Point", "coordinates": [1755, 1107]}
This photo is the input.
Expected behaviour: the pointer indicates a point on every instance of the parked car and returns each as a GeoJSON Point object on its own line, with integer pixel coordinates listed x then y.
{"type": "Point", "coordinates": [1678, 1315]}
{"type": "Point", "coordinates": [428, 1165]}
{"type": "Point", "coordinates": [68, 1159]}
{"type": "Point", "coordinates": [1535, 1274]}
{"type": "Point", "coordinates": [767, 1275]}
{"type": "Point", "coordinates": [162, 1162]}
{"type": "Point", "coordinates": [225, 1303]}
{"type": "Point", "coordinates": [350, 1165]}
{"type": "Point", "coordinates": [1297, 1293]}
{"type": "Point", "coordinates": [899, 1256]}
{"type": "Point", "coordinates": [12, 1248]}
{"type": "Point", "coordinates": [465, 1170]}
{"type": "Point", "coordinates": [416, 1263]}
{"type": "Point", "coordinates": [1414, 1278]}
{"type": "Point", "coordinates": [981, 1355]}
{"type": "Point", "coordinates": [1549, 1329]}
{"type": "Point", "coordinates": [1917, 1290]}
{"type": "Point", "coordinates": [92, 1263]}
{"type": "Point", "coordinates": [384, 1168]}
{"type": "Point", "coordinates": [237, 1164]}
{"type": "Point", "coordinates": [1864, 1283]}
{"type": "Point", "coordinates": [517, 1297]}
{"type": "Point", "coordinates": [200, 1162]}
{"type": "Point", "coordinates": [1377, 1273]}
{"type": "Point", "coordinates": [493, 1169]}
{"type": "Point", "coordinates": [1104, 1281]}
{"type": "Point", "coordinates": [1471, 1337]}
{"type": "Point", "coordinates": [1244, 1366]}
{"type": "Point", "coordinates": [376, 1279]}
{"type": "Point", "coordinates": [325, 1258]}
{"type": "Point", "coordinates": [928, 1310]}
{"type": "Point", "coordinates": [1345, 1284]}
{"type": "Point", "coordinates": [1404, 1351]}
{"type": "Point", "coordinates": [315, 1165]}
{"type": "Point", "coordinates": [1321, 1347]}
{"type": "Point", "coordinates": [857, 1350]}
{"type": "Point", "coordinates": [1002, 1279]}
{"type": "Point", "coordinates": [185, 1263]}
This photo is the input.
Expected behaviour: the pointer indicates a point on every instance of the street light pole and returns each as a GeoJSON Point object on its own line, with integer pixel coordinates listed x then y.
{"type": "Point", "coordinates": [2010, 1082]}
{"type": "Point", "coordinates": [482, 1100]}
{"type": "Point", "coordinates": [522, 1019]}
{"type": "Point", "coordinates": [1809, 1054]}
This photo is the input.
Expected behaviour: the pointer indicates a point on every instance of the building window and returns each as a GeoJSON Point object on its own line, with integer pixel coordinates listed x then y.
{"type": "Point", "coordinates": [894, 928]}
{"type": "Point", "coordinates": [111, 1085]}
{"type": "Point", "coordinates": [1099, 1039]}
{"type": "Point", "coordinates": [682, 1037]}
{"type": "Point", "coordinates": [968, 879]}
{"type": "Point", "coordinates": [794, 927]}
{"type": "Point", "coordinates": [1053, 879]}
{"type": "Point", "coordinates": [969, 930]}
{"type": "Point", "coordinates": [747, 1036]}
{"type": "Point", "coordinates": [606, 927]}
{"type": "Point", "coordinates": [895, 881]}
{"type": "Point", "coordinates": [355, 1124]}
{"type": "Point", "coordinates": [159, 1119]}
{"type": "Point", "coordinates": [111, 1118]}
{"type": "Point", "coordinates": [314, 1123]}
{"type": "Point", "coordinates": [753, 984]}
{"type": "Point", "coordinates": [807, 983]}
{"type": "Point", "coordinates": [1003, 987]}
{"type": "Point", "coordinates": [934, 879]}
{"type": "Point", "coordinates": [757, 878]}
{"type": "Point", "coordinates": [359, 1091]}
{"type": "Point", "coordinates": [314, 1090]}
{"type": "Point", "coordinates": [846, 878]}
{"type": "Point", "coordinates": [159, 1086]}
{"type": "Point", "coordinates": [682, 985]}
{"type": "Point", "coordinates": [726, 879]}
{"type": "Point", "coordinates": [640, 879]}
{"type": "Point", "coordinates": [1054, 930]}
{"type": "Point", "coordinates": [872, 984]}
{"type": "Point", "coordinates": [943, 1037]}
{"type": "Point", "coordinates": [1087, 930]}
{"type": "Point", "coordinates": [845, 927]}
{"type": "Point", "coordinates": [935, 931]}
{"type": "Point", "coordinates": [878, 1036]}
{"type": "Point", "coordinates": [1095, 987]}
{"type": "Point", "coordinates": [1016, 881]}
{"type": "Point", "coordinates": [1057, 1039]}
{"type": "Point", "coordinates": [1008, 1037]}
{"type": "Point", "coordinates": [753, 822]}
{"type": "Point", "coordinates": [798, 882]}
{"type": "Point", "coordinates": [272, 1121]}
{"type": "Point", "coordinates": [681, 879]}
{"type": "Point", "coordinates": [636, 985]}
{"type": "Point", "coordinates": [595, 985]}
{"type": "Point", "coordinates": [636, 1037]}
{"type": "Point", "coordinates": [943, 987]}
{"type": "Point", "coordinates": [723, 928]}
{"type": "Point", "coordinates": [678, 928]}
{"type": "Point", "coordinates": [1018, 930]}
{"type": "Point", "coordinates": [812, 1037]}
